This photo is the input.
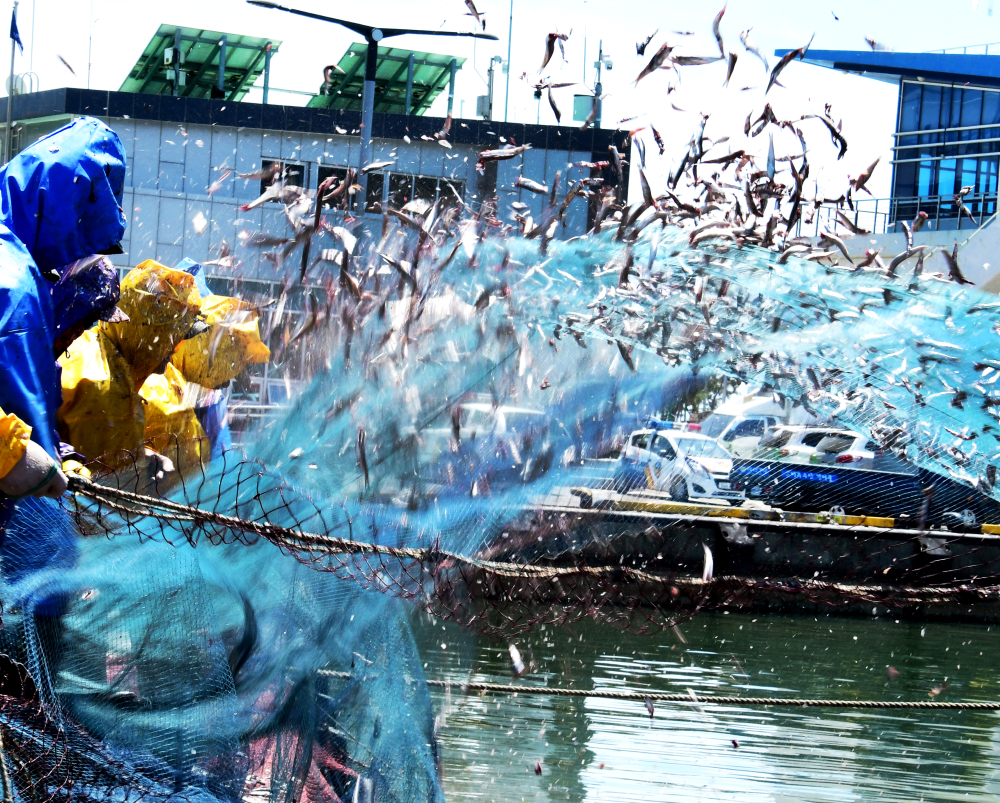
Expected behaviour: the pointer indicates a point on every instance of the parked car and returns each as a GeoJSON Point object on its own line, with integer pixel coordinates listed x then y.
{"type": "Point", "coordinates": [739, 434]}
{"type": "Point", "coordinates": [818, 446]}
{"type": "Point", "coordinates": [496, 447]}
{"type": "Point", "coordinates": [823, 468]}
{"type": "Point", "coordinates": [682, 462]}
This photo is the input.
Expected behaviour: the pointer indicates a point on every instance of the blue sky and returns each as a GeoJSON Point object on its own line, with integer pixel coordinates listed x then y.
{"type": "Point", "coordinates": [120, 31]}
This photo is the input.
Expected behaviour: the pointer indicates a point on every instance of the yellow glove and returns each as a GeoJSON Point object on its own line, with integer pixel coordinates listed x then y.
{"type": "Point", "coordinates": [72, 466]}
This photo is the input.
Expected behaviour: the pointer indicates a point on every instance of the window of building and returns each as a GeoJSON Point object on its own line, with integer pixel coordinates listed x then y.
{"type": "Point", "coordinates": [932, 167]}
{"type": "Point", "coordinates": [293, 173]}
{"type": "Point", "coordinates": [373, 196]}
{"type": "Point", "coordinates": [425, 188]}
{"type": "Point", "coordinates": [323, 172]}
{"type": "Point", "coordinates": [400, 190]}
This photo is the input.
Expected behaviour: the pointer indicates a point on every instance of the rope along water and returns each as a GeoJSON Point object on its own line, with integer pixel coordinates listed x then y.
{"type": "Point", "coordinates": [668, 697]}
{"type": "Point", "coordinates": [289, 538]}
{"type": "Point", "coordinates": [151, 506]}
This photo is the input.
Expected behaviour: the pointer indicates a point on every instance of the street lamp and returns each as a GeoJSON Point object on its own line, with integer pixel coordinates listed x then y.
{"type": "Point", "coordinates": [602, 61]}
{"type": "Point", "coordinates": [373, 36]}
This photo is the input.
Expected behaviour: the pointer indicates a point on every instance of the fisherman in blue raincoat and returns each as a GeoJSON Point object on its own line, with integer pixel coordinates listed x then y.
{"type": "Point", "coordinates": [60, 201]}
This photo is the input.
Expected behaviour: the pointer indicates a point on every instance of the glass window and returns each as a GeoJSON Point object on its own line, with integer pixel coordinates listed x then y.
{"type": "Point", "coordinates": [945, 117]}
{"type": "Point", "coordinates": [324, 172]}
{"type": "Point", "coordinates": [451, 192]}
{"type": "Point", "coordinates": [373, 196]}
{"type": "Point", "coordinates": [906, 180]}
{"type": "Point", "coordinates": [909, 114]}
{"type": "Point", "coordinates": [715, 424]}
{"type": "Point", "coordinates": [663, 448]}
{"type": "Point", "coordinates": [813, 438]}
{"type": "Point", "coordinates": [972, 108]}
{"type": "Point", "coordinates": [991, 108]}
{"type": "Point", "coordinates": [752, 427]}
{"type": "Point", "coordinates": [924, 179]}
{"type": "Point", "coordinates": [988, 175]}
{"type": "Point", "coordinates": [641, 441]}
{"type": "Point", "coordinates": [425, 188]}
{"type": "Point", "coordinates": [969, 173]}
{"type": "Point", "coordinates": [292, 174]}
{"type": "Point", "coordinates": [776, 439]}
{"type": "Point", "coordinates": [400, 190]}
{"type": "Point", "coordinates": [946, 177]}
{"type": "Point", "coordinates": [930, 109]}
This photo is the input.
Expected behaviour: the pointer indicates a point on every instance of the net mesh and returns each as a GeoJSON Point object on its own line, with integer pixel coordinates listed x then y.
{"type": "Point", "coordinates": [200, 640]}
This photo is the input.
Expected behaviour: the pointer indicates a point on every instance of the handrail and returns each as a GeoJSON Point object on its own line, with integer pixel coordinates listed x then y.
{"type": "Point", "coordinates": [886, 215]}
{"type": "Point", "coordinates": [965, 48]}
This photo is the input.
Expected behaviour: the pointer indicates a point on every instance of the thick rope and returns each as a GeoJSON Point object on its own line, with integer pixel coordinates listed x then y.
{"type": "Point", "coordinates": [289, 538]}
{"type": "Point", "coordinates": [691, 697]}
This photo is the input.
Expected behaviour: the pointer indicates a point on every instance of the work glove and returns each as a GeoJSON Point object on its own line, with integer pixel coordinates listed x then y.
{"type": "Point", "coordinates": [35, 474]}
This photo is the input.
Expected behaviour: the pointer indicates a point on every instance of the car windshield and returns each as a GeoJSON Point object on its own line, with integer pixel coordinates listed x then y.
{"type": "Point", "coordinates": [701, 447]}
{"type": "Point", "coordinates": [714, 425]}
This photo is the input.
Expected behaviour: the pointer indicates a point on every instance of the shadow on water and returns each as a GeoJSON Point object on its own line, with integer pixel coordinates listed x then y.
{"type": "Point", "coordinates": [610, 750]}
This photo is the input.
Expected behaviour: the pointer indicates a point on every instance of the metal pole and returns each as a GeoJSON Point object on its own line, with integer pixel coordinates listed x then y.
{"type": "Point", "coordinates": [489, 90]}
{"type": "Point", "coordinates": [222, 65]}
{"type": "Point", "coordinates": [367, 111]}
{"type": "Point", "coordinates": [451, 87]}
{"type": "Point", "coordinates": [510, 32]}
{"type": "Point", "coordinates": [267, 69]}
{"type": "Point", "coordinates": [177, 63]}
{"type": "Point", "coordinates": [10, 99]}
{"type": "Point", "coordinates": [409, 84]}
{"type": "Point", "coordinates": [597, 87]}
{"type": "Point", "coordinates": [90, 41]}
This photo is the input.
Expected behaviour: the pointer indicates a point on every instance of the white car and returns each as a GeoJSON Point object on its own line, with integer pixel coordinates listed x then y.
{"type": "Point", "coordinates": [683, 463]}
{"type": "Point", "coordinates": [739, 434]}
{"type": "Point", "coordinates": [818, 445]}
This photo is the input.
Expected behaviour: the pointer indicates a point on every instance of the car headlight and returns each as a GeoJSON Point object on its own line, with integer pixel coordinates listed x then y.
{"type": "Point", "coordinates": [697, 468]}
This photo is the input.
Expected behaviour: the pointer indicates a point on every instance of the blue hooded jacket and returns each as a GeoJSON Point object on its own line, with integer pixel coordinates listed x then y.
{"type": "Point", "coordinates": [60, 200]}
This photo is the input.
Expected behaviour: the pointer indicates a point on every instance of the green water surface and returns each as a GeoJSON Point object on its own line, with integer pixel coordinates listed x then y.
{"type": "Point", "coordinates": [608, 750]}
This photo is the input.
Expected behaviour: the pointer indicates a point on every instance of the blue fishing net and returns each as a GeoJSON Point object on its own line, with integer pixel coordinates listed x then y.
{"type": "Point", "coordinates": [447, 403]}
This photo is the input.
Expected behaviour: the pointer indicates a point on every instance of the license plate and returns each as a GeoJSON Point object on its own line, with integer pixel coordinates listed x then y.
{"type": "Point", "coordinates": [757, 490]}
{"type": "Point", "coordinates": [723, 485]}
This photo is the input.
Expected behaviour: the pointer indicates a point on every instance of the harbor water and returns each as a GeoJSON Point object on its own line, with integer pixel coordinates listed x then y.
{"type": "Point", "coordinates": [593, 749]}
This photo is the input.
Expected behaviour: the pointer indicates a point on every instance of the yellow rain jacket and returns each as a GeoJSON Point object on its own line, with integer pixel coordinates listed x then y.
{"type": "Point", "coordinates": [172, 427]}
{"type": "Point", "coordinates": [232, 343]}
{"type": "Point", "coordinates": [14, 437]}
{"type": "Point", "coordinates": [102, 411]}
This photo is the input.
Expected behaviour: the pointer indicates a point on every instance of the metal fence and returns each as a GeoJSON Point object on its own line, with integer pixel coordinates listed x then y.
{"type": "Point", "coordinates": [886, 215]}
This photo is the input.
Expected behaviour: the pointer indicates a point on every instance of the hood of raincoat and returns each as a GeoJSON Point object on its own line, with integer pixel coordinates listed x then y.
{"type": "Point", "coordinates": [62, 195]}
{"type": "Point", "coordinates": [162, 304]}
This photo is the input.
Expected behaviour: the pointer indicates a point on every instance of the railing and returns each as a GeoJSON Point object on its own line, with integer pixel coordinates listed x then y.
{"type": "Point", "coordinates": [886, 215]}
{"type": "Point", "coordinates": [967, 49]}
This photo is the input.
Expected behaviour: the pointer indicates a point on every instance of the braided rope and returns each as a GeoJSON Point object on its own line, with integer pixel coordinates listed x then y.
{"type": "Point", "coordinates": [672, 697]}
{"type": "Point", "coordinates": [289, 538]}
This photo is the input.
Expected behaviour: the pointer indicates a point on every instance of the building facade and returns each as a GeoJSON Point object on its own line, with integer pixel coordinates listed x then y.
{"type": "Point", "coordinates": [181, 202]}
{"type": "Point", "coordinates": [945, 157]}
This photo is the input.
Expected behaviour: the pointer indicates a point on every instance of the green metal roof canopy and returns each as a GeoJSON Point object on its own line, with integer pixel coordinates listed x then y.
{"type": "Point", "coordinates": [431, 74]}
{"type": "Point", "coordinates": [243, 59]}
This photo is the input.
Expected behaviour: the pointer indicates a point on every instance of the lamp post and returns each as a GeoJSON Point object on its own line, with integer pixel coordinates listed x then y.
{"type": "Point", "coordinates": [602, 61]}
{"type": "Point", "coordinates": [373, 36]}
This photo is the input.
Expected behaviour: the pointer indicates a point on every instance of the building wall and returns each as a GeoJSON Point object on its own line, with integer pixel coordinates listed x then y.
{"type": "Point", "coordinates": [979, 257]}
{"type": "Point", "coordinates": [171, 168]}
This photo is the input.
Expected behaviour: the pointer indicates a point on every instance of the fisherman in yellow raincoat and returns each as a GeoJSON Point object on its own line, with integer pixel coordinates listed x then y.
{"type": "Point", "coordinates": [141, 382]}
